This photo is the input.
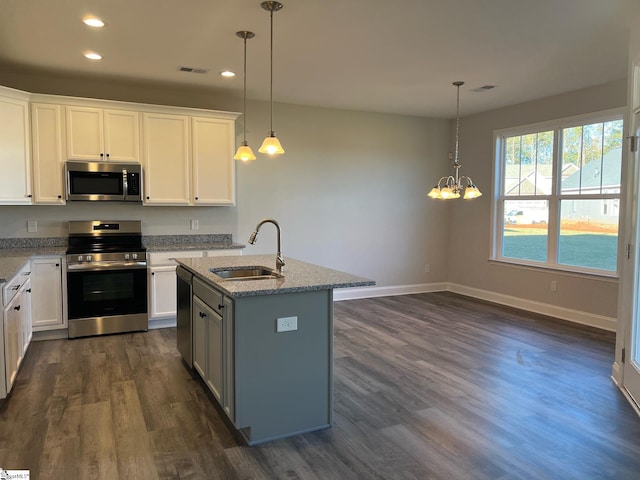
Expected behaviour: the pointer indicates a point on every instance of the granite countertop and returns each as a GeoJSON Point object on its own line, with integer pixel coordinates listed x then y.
{"type": "Point", "coordinates": [192, 246]}
{"type": "Point", "coordinates": [168, 243]}
{"type": "Point", "coordinates": [16, 252]}
{"type": "Point", "coordinates": [298, 276]}
{"type": "Point", "coordinates": [13, 259]}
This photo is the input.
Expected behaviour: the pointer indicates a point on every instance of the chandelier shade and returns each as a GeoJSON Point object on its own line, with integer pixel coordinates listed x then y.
{"type": "Point", "coordinates": [456, 185]}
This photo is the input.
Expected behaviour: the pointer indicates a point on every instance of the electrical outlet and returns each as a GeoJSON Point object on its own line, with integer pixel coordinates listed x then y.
{"type": "Point", "coordinates": [554, 286]}
{"type": "Point", "coordinates": [427, 268]}
{"type": "Point", "coordinates": [32, 226]}
{"type": "Point", "coordinates": [195, 224]}
{"type": "Point", "coordinates": [286, 324]}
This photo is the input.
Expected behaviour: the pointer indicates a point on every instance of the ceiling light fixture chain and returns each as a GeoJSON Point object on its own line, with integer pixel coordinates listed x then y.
{"type": "Point", "coordinates": [271, 144]}
{"type": "Point", "coordinates": [244, 152]}
{"type": "Point", "coordinates": [453, 186]}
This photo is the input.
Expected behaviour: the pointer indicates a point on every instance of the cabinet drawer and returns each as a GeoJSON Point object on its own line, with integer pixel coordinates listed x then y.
{"type": "Point", "coordinates": [13, 285]}
{"type": "Point", "coordinates": [211, 297]}
{"type": "Point", "coordinates": [168, 258]}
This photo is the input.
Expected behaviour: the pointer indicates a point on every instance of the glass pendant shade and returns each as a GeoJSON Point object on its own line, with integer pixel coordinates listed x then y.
{"type": "Point", "coordinates": [435, 192]}
{"type": "Point", "coordinates": [471, 192]}
{"type": "Point", "coordinates": [244, 153]}
{"type": "Point", "coordinates": [271, 145]}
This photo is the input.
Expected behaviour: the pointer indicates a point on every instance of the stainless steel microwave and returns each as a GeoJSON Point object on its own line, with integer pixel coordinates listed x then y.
{"type": "Point", "coordinates": [103, 182]}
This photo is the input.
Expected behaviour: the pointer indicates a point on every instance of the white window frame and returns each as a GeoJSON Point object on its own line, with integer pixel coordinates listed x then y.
{"type": "Point", "coordinates": [497, 211]}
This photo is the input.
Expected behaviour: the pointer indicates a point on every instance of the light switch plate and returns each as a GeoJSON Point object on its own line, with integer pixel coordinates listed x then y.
{"type": "Point", "coordinates": [286, 324]}
{"type": "Point", "coordinates": [32, 226]}
{"type": "Point", "coordinates": [195, 225]}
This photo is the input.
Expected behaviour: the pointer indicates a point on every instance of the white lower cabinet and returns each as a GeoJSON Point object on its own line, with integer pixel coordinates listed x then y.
{"type": "Point", "coordinates": [16, 327]}
{"type": "Point", "coordinates": [162, 279]}
{"type": "Point", "coordinates": [47, 289]}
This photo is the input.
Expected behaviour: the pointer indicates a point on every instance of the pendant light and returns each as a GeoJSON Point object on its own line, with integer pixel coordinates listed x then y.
{"type": "Point", "coordinates": [271, 144]}
{"type": "Point", "coordinates": [455, 185]}
{"type": "Point", "coordinates": [244, 152]}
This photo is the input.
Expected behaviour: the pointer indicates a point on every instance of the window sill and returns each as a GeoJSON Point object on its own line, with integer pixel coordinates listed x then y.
{"type": "Point", "coordinates": [561, 270]}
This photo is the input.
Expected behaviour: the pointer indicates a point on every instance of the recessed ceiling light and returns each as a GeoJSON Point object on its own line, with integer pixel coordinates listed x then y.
{"type": "Point", "coordinates": [93, 22]}
{"type": "Point", "coordinates": [227, 73]}
{"type": "Point", "coordinates": [93, 56]}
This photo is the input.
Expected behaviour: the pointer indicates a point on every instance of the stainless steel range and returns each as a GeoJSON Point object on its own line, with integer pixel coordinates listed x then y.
{"type": "Point", "coordinates": [106, 278]}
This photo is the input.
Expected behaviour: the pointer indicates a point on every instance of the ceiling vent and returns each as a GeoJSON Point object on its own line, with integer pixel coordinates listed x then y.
{"type": "Point", "coordinates": [483, 88]}
{"type": "Point", "coordinates": [193, 70]}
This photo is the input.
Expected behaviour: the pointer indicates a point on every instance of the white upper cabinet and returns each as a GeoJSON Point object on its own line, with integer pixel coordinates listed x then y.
{"type": "Point", "coordinates": [166, 165]}
{"type": "Point", "coordinates": [102, 135]}
{"type": "Point", "coordinates": [47, 153]}
{"type": "Point", "coordinates": [213, 164]}
{"type": "Point", "coordinates": [15, 161]}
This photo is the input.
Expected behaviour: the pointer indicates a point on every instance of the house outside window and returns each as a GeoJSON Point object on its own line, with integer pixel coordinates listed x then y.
{"type": "Point", "coordinates": [557, 193]}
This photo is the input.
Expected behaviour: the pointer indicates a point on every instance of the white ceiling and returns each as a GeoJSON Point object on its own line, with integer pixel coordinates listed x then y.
{"type": "Point", "coordinates": [386, 56]}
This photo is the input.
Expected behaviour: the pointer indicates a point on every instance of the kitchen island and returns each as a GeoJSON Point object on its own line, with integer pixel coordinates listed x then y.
{"type": "Point", "coordinates": [264, 347]}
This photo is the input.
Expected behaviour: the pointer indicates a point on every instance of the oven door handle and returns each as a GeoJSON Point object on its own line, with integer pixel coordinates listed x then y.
{"type": "Point", "coordinates": [94, 266]}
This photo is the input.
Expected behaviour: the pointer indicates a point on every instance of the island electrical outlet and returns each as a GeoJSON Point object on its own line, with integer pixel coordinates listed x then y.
{"type": "Point", "coordinates": [286, 324]}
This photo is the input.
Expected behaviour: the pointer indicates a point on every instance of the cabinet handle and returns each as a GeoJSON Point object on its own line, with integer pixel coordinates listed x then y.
{"type": "Point", "coordinates": [220, 307]}
{"type": "Point", "coordinates": [17, 308]}
{"type": "Point", "coordinates": [153, 273]}
{"type": "Point", "coordinates": [29, 196]}
{"type": "Point", "coordinates": [57, 264]}
{"type": "Point", "coordinates": [196, 198]}
{"type": "Point", "coordinates": [16, 287]}
{"type": "Point", "coordinates": [28, 290]}
{"type": "Point", "coordinates": [59, 196]}
{"type": "Point", "coordinates": [202, 315]}
{"type": "Point", "coordinates": [147, 198]}
{"type": "Point", "coordinates": [101, 155]}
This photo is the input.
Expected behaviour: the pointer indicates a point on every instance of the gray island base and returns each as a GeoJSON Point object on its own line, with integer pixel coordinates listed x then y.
{"type": "Point", "coordinates": [264, 348]}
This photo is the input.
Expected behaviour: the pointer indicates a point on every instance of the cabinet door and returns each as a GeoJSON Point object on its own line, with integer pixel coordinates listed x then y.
{"type": "Point", "coordinates": [47, 154]}
{"type": "Point", "coordinates": [199, 321]}
{"type": "Point", "coordinates": [15, 162]}
{"type": "Point", "coordinates": [13, 339]}
{"type": "Point", "coordinates": [228, 402]}
{"type": "Point", "coordinates": [213, 164]}
{"type": "Point", "coordinates": [166, 159]}
{"type": "Point", "coordinates": [215, 358]}
{"type": "Point", "coordinates": [122, 136]}
{"type": "Point", "coordinates": [46, 300]}
{"type": "Point", "coordinates": [26, 319]}
{"type": "Point", "coordinates": [162, 295]}
{"type": "Point", "coordinates": [85, 133]}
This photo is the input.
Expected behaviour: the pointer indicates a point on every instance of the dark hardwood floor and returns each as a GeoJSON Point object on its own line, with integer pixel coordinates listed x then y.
{"type": "Point", "coordinates": [426, 386]}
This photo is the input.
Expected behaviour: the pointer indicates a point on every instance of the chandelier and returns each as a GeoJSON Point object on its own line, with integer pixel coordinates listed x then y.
{"type": "Point", "coordinates": [453, 186]}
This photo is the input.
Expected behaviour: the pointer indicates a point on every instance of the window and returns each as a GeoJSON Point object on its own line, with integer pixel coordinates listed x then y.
{"type": "Point", "coordinates": [558, 193]}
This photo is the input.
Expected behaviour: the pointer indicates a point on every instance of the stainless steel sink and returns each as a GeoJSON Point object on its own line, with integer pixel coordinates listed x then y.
{"type": "Point", "coordinates": [246, 273]}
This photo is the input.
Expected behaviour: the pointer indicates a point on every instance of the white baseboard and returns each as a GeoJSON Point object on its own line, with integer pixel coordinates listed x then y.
{"type": "Point", "coordinates": [616, 374]}
{"type": "Point", "coordinates": [576, 316]}
{"type": "Point", "coordinates": [371, 292]}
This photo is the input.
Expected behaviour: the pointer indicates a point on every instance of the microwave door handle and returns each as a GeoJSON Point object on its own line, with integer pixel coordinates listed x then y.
{"type": "Point", "coordinates": [125, 186]}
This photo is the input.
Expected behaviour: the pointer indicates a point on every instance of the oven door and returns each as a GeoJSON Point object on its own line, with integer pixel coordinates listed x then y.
{"type": "Point", "coordinates": [107, 300]}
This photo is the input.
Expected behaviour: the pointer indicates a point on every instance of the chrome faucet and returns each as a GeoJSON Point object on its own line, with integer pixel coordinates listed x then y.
{"type": "Point", "coordinates": [254, 236]}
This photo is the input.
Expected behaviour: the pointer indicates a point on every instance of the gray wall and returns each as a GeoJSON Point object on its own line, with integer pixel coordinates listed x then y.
{"type": "Point", "coordinates": [350, 192]}
{"type": "Point", "coordinates": [470, 265]}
